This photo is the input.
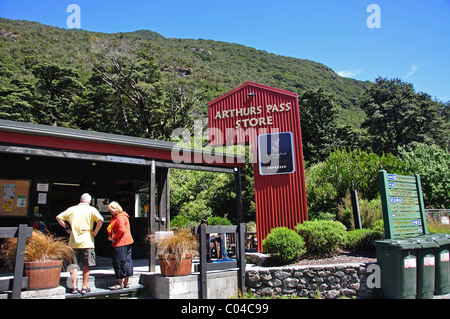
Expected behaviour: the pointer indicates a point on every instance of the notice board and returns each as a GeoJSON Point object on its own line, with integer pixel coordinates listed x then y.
{"type": "Point", "coordinates": [402, 204]}
{"type": "Point", "coordinates": [15, 197]}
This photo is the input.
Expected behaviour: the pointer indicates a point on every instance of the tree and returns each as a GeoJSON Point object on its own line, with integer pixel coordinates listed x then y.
{"type": "Point", "coordinates": [328, 182]}
{"type": "Point", "coordinates": [16, 100]}
{"type": "Point", "coordinates": [432, 163]}
{"type": "Point", "coordinates": [55, 91]}
{"type": "Point", "coordinates": [320, 130]}
{"type": "Point", "coordinates": [98, 109]}
{"type": "Point", "coordinates": [398, 116]}
{"type": "Point", "coordinates": [148, 103]}
{"type": "Point", "coordinates": [135, 78]}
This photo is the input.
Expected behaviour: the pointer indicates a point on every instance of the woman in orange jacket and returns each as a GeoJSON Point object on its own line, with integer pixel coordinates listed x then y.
{"type": "Point", "coordinates": [120, 236]}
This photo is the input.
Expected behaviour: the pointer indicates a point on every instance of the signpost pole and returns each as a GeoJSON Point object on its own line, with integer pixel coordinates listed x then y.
{"type": "Point", "coordinates": [384, 189]}
{"type": "Point", "coordinates": [355, 207]}
{"type": "Point", "coordinates": [421, 204]}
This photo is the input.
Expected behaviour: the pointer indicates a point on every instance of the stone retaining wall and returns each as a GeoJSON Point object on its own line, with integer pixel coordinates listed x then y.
{"type": "Point", "coordinates": [328, 281]}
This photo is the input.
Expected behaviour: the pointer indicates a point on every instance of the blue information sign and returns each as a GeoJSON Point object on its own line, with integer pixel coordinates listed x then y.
{"type": "Point", "coordinates": [276, 153]}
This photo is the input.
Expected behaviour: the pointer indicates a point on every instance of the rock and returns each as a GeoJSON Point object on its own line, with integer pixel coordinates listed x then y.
{"type": "Point", "coordinates": [282, 274]}
{"type": "Point", "coordinates": [328, 282]}
{"type": "Point", "coordinates": [253, 278]}
{"type": "Point", "coordinates": [324, 273]}
{"type": "Point", "coordinates": [266, 276]}
{"type": "Point", "coordinates": [291, 282]}
{"type": "Point", "coordinates": [331, 294]}
{"type": "Point", "coordinates": [266, 291]}
{"type": "Point", "coordinates": [275, 283]}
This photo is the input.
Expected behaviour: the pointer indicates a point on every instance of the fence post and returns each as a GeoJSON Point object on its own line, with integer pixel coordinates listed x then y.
{"type": "Point", "coordinates": [20, 260]}
{"type": "Point", "coordinates": [241, 257]}
{"type": "Point", "coordinates": [203, 271]}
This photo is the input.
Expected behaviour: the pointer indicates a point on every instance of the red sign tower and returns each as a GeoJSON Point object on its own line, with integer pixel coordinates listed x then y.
{"type": "Point", "coordinates": [254, 110]}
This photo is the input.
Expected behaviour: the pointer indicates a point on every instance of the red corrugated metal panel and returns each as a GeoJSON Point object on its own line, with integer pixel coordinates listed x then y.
{"type": "Point", "coordinates": [280, 199]}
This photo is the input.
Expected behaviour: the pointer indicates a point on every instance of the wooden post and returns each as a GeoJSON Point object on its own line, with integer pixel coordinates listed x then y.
{"type": "Point", "coordinates": [239, 207]}
{"type": "Point", "coordinates": [23, 231]}
{"type": "Point", "coordinates": [151, 218]}
{"type": "Point", "coordinates": [240, 254]}
{"type": "Point", "coordinates": [203, 270]}
{"type": "Point", "coordinates": [163, 198]}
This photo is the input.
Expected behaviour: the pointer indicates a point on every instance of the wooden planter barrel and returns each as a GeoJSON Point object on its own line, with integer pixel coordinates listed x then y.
{"type": "Point", "coordinates": [171, 267]}
{"type": "Point", "coordinates": [43, 274]}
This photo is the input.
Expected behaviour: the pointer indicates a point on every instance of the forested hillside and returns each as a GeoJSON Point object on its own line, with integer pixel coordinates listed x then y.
{"type": "Point", "coordinates": [51, 75]}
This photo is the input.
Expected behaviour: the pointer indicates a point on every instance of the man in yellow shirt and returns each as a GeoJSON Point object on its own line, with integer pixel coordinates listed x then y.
{"type": "Point", "coordinates": [79, 221]}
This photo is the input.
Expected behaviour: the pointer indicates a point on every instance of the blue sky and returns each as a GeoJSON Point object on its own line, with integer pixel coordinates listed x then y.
{"type": "Point", "coordinates": [412, 43]}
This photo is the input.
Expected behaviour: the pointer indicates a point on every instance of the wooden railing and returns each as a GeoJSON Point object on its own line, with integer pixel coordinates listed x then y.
{"type": "Point", "coordinates": [19, 282]}
{"type": "Point", "coordinates": [238, 232]}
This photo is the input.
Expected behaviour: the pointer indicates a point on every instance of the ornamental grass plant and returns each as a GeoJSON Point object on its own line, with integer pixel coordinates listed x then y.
{"type": "Point", "coordinates": [180, 244]}
{"type": "Point", "coordinates": [39, 247]}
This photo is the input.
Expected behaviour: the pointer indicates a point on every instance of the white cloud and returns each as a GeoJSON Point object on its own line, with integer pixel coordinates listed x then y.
{"type": "Point", "coordinates": [348, 73]}
{"type": "Point", "coordinates": [413, 70]}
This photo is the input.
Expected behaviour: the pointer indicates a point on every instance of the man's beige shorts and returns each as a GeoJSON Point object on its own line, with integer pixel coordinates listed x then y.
{"type": "Point", "coordinates": [84, 257]}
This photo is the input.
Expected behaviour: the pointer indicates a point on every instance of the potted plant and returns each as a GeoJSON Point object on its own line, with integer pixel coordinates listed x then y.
{"type": "Point", "coordinates": [175, 252]}
{"type": "Point", "coordinates": [44, 255]}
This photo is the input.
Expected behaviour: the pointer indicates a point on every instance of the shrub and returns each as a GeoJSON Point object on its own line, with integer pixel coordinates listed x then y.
{"type": "Point", "coordinates": [196, 210]}
{"type": "Point", "coordinates": [327, 182]}
{"type": "Point", "coordinates": [251, 226]}
{"type": "Point", "coordinates": [432, 163]}
{"type": "Point", "coordinates": [379, 225]}
{"type": "Point", "coordinates": [361, 239]}
{"type": "Point", "coordinates": [321, 216]}
{"type": "Point", "coordinates": [322, 237]}
{"type": "Point", "coordinates": [436, 226]}
{"type": "Point", "coordinates": [370, 211]}
{"type": "Point", "coordinates": [179, 221]}
{"type": "Point", "coordinates": [218, 221]}
{"type": "Point", "coordinates": [284, 244]}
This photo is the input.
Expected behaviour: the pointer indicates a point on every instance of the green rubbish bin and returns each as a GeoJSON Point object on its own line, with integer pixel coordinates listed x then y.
{"type": "Point", "coordinates": [397, 259]}
{"type": "Point", "coordinates": [426, 270]}
{"type": "Point", "coordinates": [442, 267]}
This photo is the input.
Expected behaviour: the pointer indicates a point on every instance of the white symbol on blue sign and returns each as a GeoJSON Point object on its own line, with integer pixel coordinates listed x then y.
{"type": "Point", "coordinates": [396, 200]}
{"type": "Point", "coordinates": [392, 177]}
{"type": "Point", "coordinates": [391, 184]}
{"type": "Point", "coordinates": [417, 222]}
{"type": "Point", "coordinates": [393, 215]}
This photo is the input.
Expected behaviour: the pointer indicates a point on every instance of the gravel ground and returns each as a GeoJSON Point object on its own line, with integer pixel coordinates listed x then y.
{"type": "Point", "coordinates": [339, 258]}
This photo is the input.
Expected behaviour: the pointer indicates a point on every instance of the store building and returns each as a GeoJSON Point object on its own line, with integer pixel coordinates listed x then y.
{"type": "Point", "coordinates": [45, 169]}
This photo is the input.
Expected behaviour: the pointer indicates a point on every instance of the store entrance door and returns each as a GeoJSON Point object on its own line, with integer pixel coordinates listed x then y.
{"type": "Point", "coordinates": [62, 196]}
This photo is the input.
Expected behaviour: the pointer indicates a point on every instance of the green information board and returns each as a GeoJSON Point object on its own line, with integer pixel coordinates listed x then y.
{"type": "Point", "coordinates": [402, 203]}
